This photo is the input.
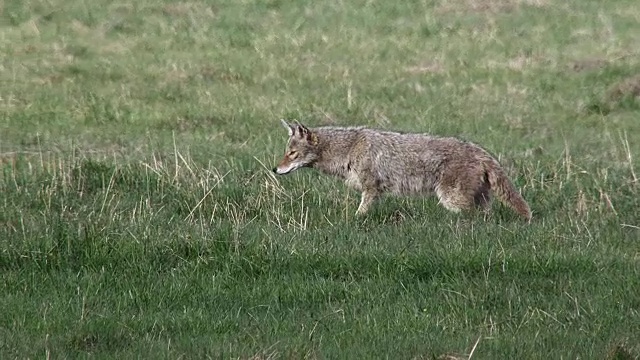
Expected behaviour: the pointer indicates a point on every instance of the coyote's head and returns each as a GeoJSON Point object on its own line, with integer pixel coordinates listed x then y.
{"type": "Point", "coordinates": [301, 148]}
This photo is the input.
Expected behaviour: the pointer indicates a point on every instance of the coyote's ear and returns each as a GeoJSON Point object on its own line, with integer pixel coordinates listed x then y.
{"type": "Point", "coordinates": [305, 132]}
{"type": "Point", "coordinates": [302, 130]}
{"type": "Point", "coordinates": [287, 126]}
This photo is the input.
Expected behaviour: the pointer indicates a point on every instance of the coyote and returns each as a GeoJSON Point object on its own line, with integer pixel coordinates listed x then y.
{"type": "Point", "coordinates": [462, 174]}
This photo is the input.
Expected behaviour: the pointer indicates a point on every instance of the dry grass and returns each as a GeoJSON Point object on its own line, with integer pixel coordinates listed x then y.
{"type": "Point", "coordinates": [189, 9]}
{"type": "Point", "coordinates": [139, 216]}
{"type": "Point", "coordinates": [427, 67]}
{"type": "Point", "coordinates": [487, 6]}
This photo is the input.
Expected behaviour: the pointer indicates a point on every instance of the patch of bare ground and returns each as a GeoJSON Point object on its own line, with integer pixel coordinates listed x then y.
{"type": "Point", "coordinates": [623, 94]}
{"type": "Point", "coordinates": [620, 352]}
{"type": "Point", "coordinates": [8, 159]}
{"type": "Point", "coordinates": [486, 6]}
{"type": "Point", "coordinates": [596, 62]}
{"type": "Point", "coordinates": [588, 64]}
{"type": "Point", "coordinates": [212, 73]}
{"type": "Point", "coordinates": [519, 62]}
{"type": "Point", "coordinates": [626, 88]}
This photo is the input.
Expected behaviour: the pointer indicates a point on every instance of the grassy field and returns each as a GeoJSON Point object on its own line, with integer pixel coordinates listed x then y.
{"type": "Point", "coordinates": [139, 217]}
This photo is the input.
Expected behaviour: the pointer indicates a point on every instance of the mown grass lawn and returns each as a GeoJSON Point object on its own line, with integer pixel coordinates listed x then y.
{"type": "Point", "coordinates": [139, 217]}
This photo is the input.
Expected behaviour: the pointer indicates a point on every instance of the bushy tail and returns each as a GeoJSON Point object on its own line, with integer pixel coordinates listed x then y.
{"type": "Point", "coordinates": [504, 190]}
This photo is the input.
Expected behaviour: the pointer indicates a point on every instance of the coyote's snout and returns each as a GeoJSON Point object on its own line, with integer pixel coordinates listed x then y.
{"type": "Point", "coordinates": [461, 174]}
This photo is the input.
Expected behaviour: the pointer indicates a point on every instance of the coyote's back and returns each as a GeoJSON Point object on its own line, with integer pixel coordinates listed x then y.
{"type": "Point", "coordinates": [461, 174]}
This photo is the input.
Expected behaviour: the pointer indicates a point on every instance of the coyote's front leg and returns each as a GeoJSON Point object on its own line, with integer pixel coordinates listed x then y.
{"type": "Point", "coordinates": [368, 197]}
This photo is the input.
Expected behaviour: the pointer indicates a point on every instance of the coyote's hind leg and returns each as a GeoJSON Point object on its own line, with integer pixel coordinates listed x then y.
{"type": "Point", "coordinates": [453, 199]}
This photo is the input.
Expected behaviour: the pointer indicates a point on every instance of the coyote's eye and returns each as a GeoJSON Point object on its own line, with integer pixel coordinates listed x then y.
{"type": "Point", "coordinates": [293, 154]}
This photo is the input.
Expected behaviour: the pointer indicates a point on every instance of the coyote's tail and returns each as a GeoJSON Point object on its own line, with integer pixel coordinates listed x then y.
{"type": "Point", "coordinates": [504, 190]}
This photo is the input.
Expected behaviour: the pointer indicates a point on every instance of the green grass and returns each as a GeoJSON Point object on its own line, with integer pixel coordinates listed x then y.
{"type": "Point", "coordinates": [139, 218]}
